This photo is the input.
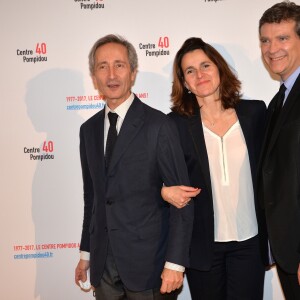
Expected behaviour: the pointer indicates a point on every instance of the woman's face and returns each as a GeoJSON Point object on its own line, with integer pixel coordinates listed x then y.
{"type": "Point", "coordinates": [201, 75]}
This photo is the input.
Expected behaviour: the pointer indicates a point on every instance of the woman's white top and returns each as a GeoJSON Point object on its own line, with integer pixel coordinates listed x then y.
{"type": "Point", "coordinates": [232, 188]}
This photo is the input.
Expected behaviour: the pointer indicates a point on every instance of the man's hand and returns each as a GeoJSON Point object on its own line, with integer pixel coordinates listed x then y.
{"type": "Point", "coordinates": [180, 195]}
{"type": "Point", "coordinates": [171, 280]}
{"type": "Point", "coordinates": [298, 273]}
{"type": "Point", "coordinates": [81, 271]}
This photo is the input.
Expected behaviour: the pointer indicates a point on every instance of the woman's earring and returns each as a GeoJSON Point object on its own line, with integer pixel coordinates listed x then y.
{"type": "Point", "coordinates": [185, 85]}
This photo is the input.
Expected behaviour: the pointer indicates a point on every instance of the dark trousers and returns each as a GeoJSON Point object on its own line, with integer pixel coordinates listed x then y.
{"type": "Point", "coordinates": [112, 288]}
{"type": "Point", "coordinates": [289, 284]}
{"type": "Point", "coordinates": [237, 273]}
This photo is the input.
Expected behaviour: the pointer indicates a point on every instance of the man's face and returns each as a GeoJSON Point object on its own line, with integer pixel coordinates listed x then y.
{"type": "Point", "coordinates": [280, 47]}
{"type": "Point", "coordinates": [112, 76]}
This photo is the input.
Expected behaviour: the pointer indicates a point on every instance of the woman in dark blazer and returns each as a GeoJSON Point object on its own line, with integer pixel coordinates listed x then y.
{"type": "Point", "coordinates": [221, 137]}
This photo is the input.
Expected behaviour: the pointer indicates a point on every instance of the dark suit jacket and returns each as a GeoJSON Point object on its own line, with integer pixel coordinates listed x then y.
{"type": "Point", "coordinates": [251, 115]}
{"type": "Point", "coordinates": [124, 204]}
{"type": "Point", "coordinates": [280, 182]}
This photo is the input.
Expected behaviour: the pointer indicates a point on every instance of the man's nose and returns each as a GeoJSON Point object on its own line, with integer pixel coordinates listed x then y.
{"type": "Point", "coordinates": [111, 72]}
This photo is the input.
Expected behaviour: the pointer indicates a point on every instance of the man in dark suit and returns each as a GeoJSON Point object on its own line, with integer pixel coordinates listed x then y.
{"type": "Point", "coordinates": [134, 243]}
{"type": "Point", "coordinates": [279, 30]}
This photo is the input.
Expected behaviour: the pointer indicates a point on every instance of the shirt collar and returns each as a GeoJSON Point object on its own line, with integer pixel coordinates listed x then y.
{"type": "Point", "coordinates": [291, 80]}
{"type": "Point", "coordinates": [122, 109]}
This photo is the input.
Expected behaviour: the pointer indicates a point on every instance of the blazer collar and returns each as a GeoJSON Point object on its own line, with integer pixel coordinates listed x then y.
{"type": "Point", "coordinates": [96, 141]}
{"type": "Point", "coordinates": [245, 122]}
{"type": "Point", "coordinates": [132, 124]}
{"type": "Point", "coordinates": [247, 129]}
{"type": "Point", "coordinates": [196, 131]}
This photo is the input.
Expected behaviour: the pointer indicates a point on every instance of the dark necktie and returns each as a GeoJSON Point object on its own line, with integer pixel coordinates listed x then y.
{"type": "Point", "coordinates": [111, 137]}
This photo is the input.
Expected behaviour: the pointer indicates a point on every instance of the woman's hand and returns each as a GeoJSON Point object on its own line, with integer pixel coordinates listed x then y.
{"type": "Point", "coordinates": [180, 195]}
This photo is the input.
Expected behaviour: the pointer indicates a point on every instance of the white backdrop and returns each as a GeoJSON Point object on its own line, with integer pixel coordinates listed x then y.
{"type": "Point", "coordinates": [47, 93]}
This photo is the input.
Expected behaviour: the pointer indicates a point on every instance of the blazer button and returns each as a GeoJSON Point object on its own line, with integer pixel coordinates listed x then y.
{"type": "Point", "coordinates": [109, 202]}
{"type": "Point", "coordinates": [105, 229]}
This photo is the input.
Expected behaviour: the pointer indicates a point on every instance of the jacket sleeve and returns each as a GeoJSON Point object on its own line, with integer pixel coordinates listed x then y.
{"type": "Point", "coordinates": [88, 195]}
{"type": "Point", "coordinates": [173, 170]}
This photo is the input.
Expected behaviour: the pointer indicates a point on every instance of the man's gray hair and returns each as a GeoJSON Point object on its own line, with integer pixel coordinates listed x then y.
{"type": "Point", "coordinates": [112, 38]}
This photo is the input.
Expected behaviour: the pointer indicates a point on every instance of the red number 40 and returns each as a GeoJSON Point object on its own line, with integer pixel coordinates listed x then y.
{"type": "Point", "coordinates": [41, 48]}
{"type": "Point", "coordinates": [48, 146]}
{"type": "Point", "coordinates": [163, 42]}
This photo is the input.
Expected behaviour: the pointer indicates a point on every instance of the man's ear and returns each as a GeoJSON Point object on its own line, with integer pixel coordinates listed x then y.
{"type": "Point", "coordinates": [133, 76]}
{"type": "Point", "coordinates": [94, 82]}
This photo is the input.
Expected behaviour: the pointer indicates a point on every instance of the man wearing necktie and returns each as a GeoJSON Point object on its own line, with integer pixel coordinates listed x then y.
{"type": "Point", "coordinates": [279, 172]}
{"type": "Point", "coordinates": [134, 243]}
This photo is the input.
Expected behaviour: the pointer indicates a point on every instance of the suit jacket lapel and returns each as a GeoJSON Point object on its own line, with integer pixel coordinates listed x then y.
{"type": "Point", "coordinates": [290, 102]}
{"type": "Point", "coordinates": [98, 138]}
{"type": "Point", "coordinates": [196, 130]}
{"type": "Point", "coordinates": [246, 126]}
{"type": "Point", "coordinates": [266, 147]}
{"type": "Point", "coordinates": [132, 124]}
